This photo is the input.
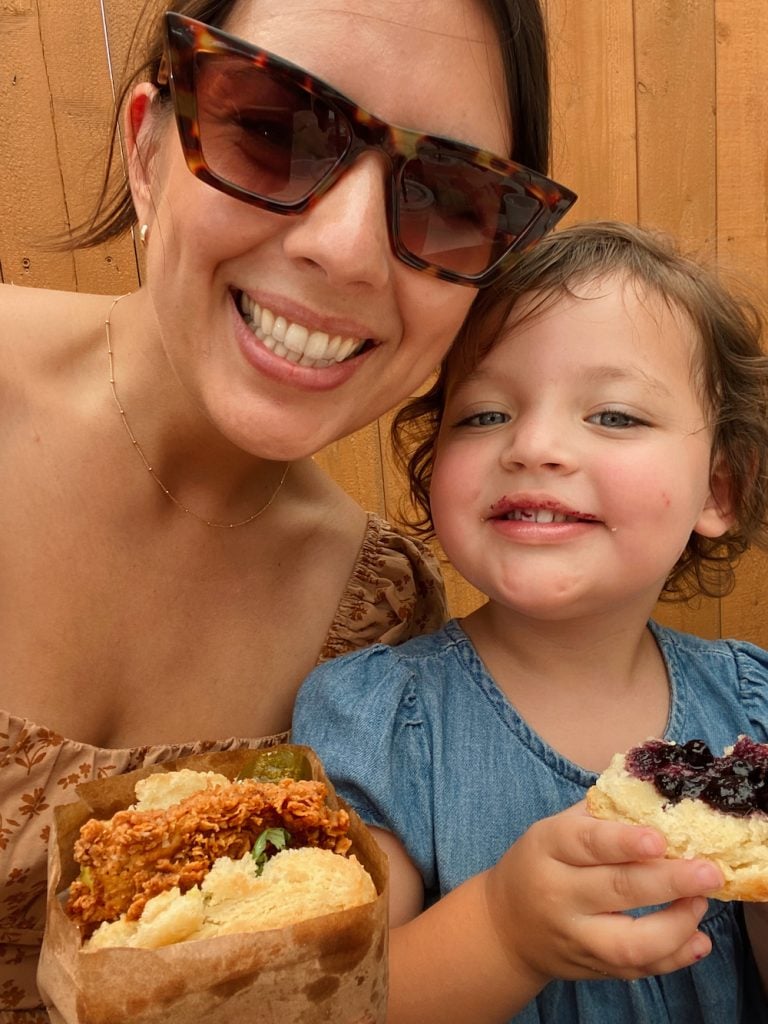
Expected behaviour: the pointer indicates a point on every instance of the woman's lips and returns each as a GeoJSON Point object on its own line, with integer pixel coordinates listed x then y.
{"type": "Point", "coordinates": [296, 342]}
{"type": "Point", "coordinates": [304, 374]}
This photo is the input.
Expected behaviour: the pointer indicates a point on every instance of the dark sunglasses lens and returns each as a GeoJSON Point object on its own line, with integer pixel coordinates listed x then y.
{"type": "Point", "coordinates": [460, 216]}
{"type": "Point", "coordinates": [263, 133]}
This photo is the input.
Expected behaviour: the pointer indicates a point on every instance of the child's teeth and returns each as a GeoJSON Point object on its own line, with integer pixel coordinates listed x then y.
{"type": "Point", "coordinates": [539, 515]}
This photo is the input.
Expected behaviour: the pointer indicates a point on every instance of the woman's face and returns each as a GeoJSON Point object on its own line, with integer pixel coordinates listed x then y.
{"type": "Point", "coordinates": [433, 66]}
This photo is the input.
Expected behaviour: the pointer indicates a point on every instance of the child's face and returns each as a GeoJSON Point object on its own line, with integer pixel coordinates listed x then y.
{"type": "Point", "coordinates": [574, 463]}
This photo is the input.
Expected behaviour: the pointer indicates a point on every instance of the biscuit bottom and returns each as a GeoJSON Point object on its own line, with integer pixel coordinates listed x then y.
{"type": "Point", "coordinates": [657, 785]}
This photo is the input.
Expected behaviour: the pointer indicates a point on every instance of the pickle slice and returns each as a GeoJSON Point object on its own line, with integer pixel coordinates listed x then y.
{"type": "Point", "coordinates": [272, 765]}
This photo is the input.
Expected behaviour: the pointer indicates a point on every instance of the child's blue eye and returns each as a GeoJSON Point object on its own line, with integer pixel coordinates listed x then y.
{"type": "Point", "coordinates": [484, 419]}
{"type": "Point", "coordinates": [614, 418]}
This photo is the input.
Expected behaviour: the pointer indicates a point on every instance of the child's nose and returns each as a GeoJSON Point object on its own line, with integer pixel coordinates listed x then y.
{"type": "Point", "coordinates": [345, 232]}
{"type": "Point", "coordinates": [537, 443]}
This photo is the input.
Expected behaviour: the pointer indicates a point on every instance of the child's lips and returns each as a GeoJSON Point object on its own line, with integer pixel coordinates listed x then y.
{"type": "Point", "coordinates": [538, 510]}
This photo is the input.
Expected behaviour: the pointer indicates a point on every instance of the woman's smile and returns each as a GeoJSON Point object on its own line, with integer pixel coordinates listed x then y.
{"type": "Point", "coordinates": [297, 343]}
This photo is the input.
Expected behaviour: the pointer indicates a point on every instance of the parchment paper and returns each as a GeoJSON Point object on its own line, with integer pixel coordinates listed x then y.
{"type": "Point", "coordinates": [332, 968]}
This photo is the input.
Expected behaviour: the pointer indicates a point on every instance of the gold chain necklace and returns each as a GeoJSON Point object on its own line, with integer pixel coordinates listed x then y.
{"type": "Point", "coordinates": [148, 467]}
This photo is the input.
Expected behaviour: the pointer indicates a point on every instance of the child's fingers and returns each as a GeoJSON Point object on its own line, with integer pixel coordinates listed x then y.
{"type": "Point", "coordinates": [576, 838]}
{"type": "Point", "coordinates": [616, 887]}
{"type": "Point", "coordinates": [633, 947]}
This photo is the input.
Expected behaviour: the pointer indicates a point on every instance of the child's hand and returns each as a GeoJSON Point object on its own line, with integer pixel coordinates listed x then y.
{"type": "Point", "coordinates": [562, 885]}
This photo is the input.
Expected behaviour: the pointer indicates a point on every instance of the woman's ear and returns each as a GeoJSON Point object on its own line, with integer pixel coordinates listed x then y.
{"type": "Point", "coordinates": [717, 515]}
{"type": "Point", "coordinates": [140, 131]}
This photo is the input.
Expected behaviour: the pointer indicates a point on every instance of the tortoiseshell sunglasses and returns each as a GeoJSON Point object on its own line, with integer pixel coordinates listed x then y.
{"type": "Point", "coordinates": [263, 130]}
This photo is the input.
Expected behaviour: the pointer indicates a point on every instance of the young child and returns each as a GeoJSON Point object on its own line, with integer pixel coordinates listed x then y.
{"type": "Point", "coordinates": [597, 438]}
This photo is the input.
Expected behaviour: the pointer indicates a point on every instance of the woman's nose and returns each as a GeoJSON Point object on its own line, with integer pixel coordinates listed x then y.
{"type": "Point", "coordinates": [345, 233]}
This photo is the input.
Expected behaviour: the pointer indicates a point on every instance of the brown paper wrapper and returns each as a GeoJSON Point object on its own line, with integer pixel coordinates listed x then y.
{"type": "Point", "coordinates": [331, 968]}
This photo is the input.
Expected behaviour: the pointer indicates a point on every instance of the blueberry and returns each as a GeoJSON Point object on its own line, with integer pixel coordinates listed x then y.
{"type": "Point", "coordinates": [670, 785]}
{"type": "Point", "coordinates": [644, 762]}
{"type": "Point", "coordinates": [736, 783]}
{"type": "Point", "coordinates": [697, 754]}
{"type": "Point", "coordinates": [730, 793]}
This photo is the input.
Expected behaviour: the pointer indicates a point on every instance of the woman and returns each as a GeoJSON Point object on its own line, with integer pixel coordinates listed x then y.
{"type": "Point", "coordinates": [174, 563]}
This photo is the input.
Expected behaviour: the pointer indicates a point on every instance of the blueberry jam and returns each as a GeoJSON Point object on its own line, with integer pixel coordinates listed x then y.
{"type": "Point", "coordinates": [736, 783]}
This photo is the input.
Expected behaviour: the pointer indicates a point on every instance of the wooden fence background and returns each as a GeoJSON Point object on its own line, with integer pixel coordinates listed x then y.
{"type": "Point", "coordinates": [660, 117]}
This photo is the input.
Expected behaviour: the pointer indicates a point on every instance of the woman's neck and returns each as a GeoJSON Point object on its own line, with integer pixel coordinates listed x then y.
{"type": "Point", "coordinates": [184, 452]}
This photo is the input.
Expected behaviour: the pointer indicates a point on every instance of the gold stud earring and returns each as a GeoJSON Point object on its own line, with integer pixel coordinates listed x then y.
{"type": "Point", "coordinates": [143, 234]}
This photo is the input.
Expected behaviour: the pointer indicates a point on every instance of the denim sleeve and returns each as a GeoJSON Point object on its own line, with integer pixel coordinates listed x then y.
{"type": "Point", "coordinates": [752, 672]}
{"type": "Point", "coordinates": [361, 713]}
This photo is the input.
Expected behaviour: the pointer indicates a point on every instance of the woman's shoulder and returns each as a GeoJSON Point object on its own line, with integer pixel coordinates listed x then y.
{"type": "Point", "coordinates": [42, 329]}
{"type": "Point", "coordinates": [26, 308]}
{"type": "Point", "coordinates": [395, 592]}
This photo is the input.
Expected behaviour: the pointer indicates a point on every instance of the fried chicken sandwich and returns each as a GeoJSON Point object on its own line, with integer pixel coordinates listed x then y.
{"type": "Point", "coordinates": [199, 855]}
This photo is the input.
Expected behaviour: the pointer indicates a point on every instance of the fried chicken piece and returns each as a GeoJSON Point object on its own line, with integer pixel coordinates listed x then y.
{"type": "Point", "coordinates": [137, 854]}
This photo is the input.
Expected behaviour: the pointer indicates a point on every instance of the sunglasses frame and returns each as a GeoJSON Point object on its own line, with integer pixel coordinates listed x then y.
{"type": "Point", "coordinates": [186, 37]}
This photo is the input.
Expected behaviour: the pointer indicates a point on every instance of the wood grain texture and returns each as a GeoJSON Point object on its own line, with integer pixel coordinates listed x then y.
{"type": "Point", "coordinates": [676, 150]}
{"type": "Point", "coordinates": [742, 220]}
{"type": "Point", "coordinates": [660, 108]}
{"type": "Point", "coordinates": [676, 101]}
{"type": "Point", "coordinates": [593, 106]}
{"type": "Point", "coordinates": [32, 199]}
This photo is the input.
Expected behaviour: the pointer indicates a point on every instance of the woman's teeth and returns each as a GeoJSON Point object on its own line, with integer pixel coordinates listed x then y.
{"type": "Point", "coordinates": [539, 515]}
{"type": "Point", "coordinates": [295, 342]}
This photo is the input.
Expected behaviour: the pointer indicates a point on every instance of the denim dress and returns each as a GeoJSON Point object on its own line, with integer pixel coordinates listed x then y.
{"type": "Point", "coordinates": [421, 742]}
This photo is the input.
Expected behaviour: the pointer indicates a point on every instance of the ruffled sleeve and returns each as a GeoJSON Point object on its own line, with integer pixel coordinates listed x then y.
{"type": "Point", "coordinates": [395, 592]}
{"type": "Point", "coordinates": [752, 670]}
{"type": "Point", "coordinates": [364, 717]}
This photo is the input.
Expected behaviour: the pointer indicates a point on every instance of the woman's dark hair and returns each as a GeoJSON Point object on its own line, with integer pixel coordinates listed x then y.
{"type": "Point", "coordinates": [730, 371]}
{"type": "Point", "coordinates": [522, 36]}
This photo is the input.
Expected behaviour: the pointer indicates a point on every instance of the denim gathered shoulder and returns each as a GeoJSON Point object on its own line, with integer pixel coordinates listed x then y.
{"type": "Point", "coordinates": [421, 741]}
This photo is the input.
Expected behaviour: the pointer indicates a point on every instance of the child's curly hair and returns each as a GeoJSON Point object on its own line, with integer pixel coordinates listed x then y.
{"type": "Point", "coordinates": [731, 374]}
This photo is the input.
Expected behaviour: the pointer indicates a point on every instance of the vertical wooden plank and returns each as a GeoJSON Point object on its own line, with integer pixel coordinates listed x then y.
{"type": "Point", "coordinates": [742, 220]}
{"type": "Point", "coordinates": [355, 463]}
{"type": "Point", "coordinates": [676, 161]}
{"type": "Point", "coordinates": [32, 199]}
{"type": "Point", "coordinates": [81, 103]}
{"type": "Point", "coordinates": [676, 119]}
{"type": "Point", "coordinates": [742, 136]}
{"type": "Point", "coordinates": [56, 103]}
{"type": "Point", "coordinates": [395, 485]}
{"type": "Point", "coordinates": [744, 611]}
{"type": "Point", "coordinates": [700, 616]}
{"type": "Point", "coordinates": [593, 105]}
